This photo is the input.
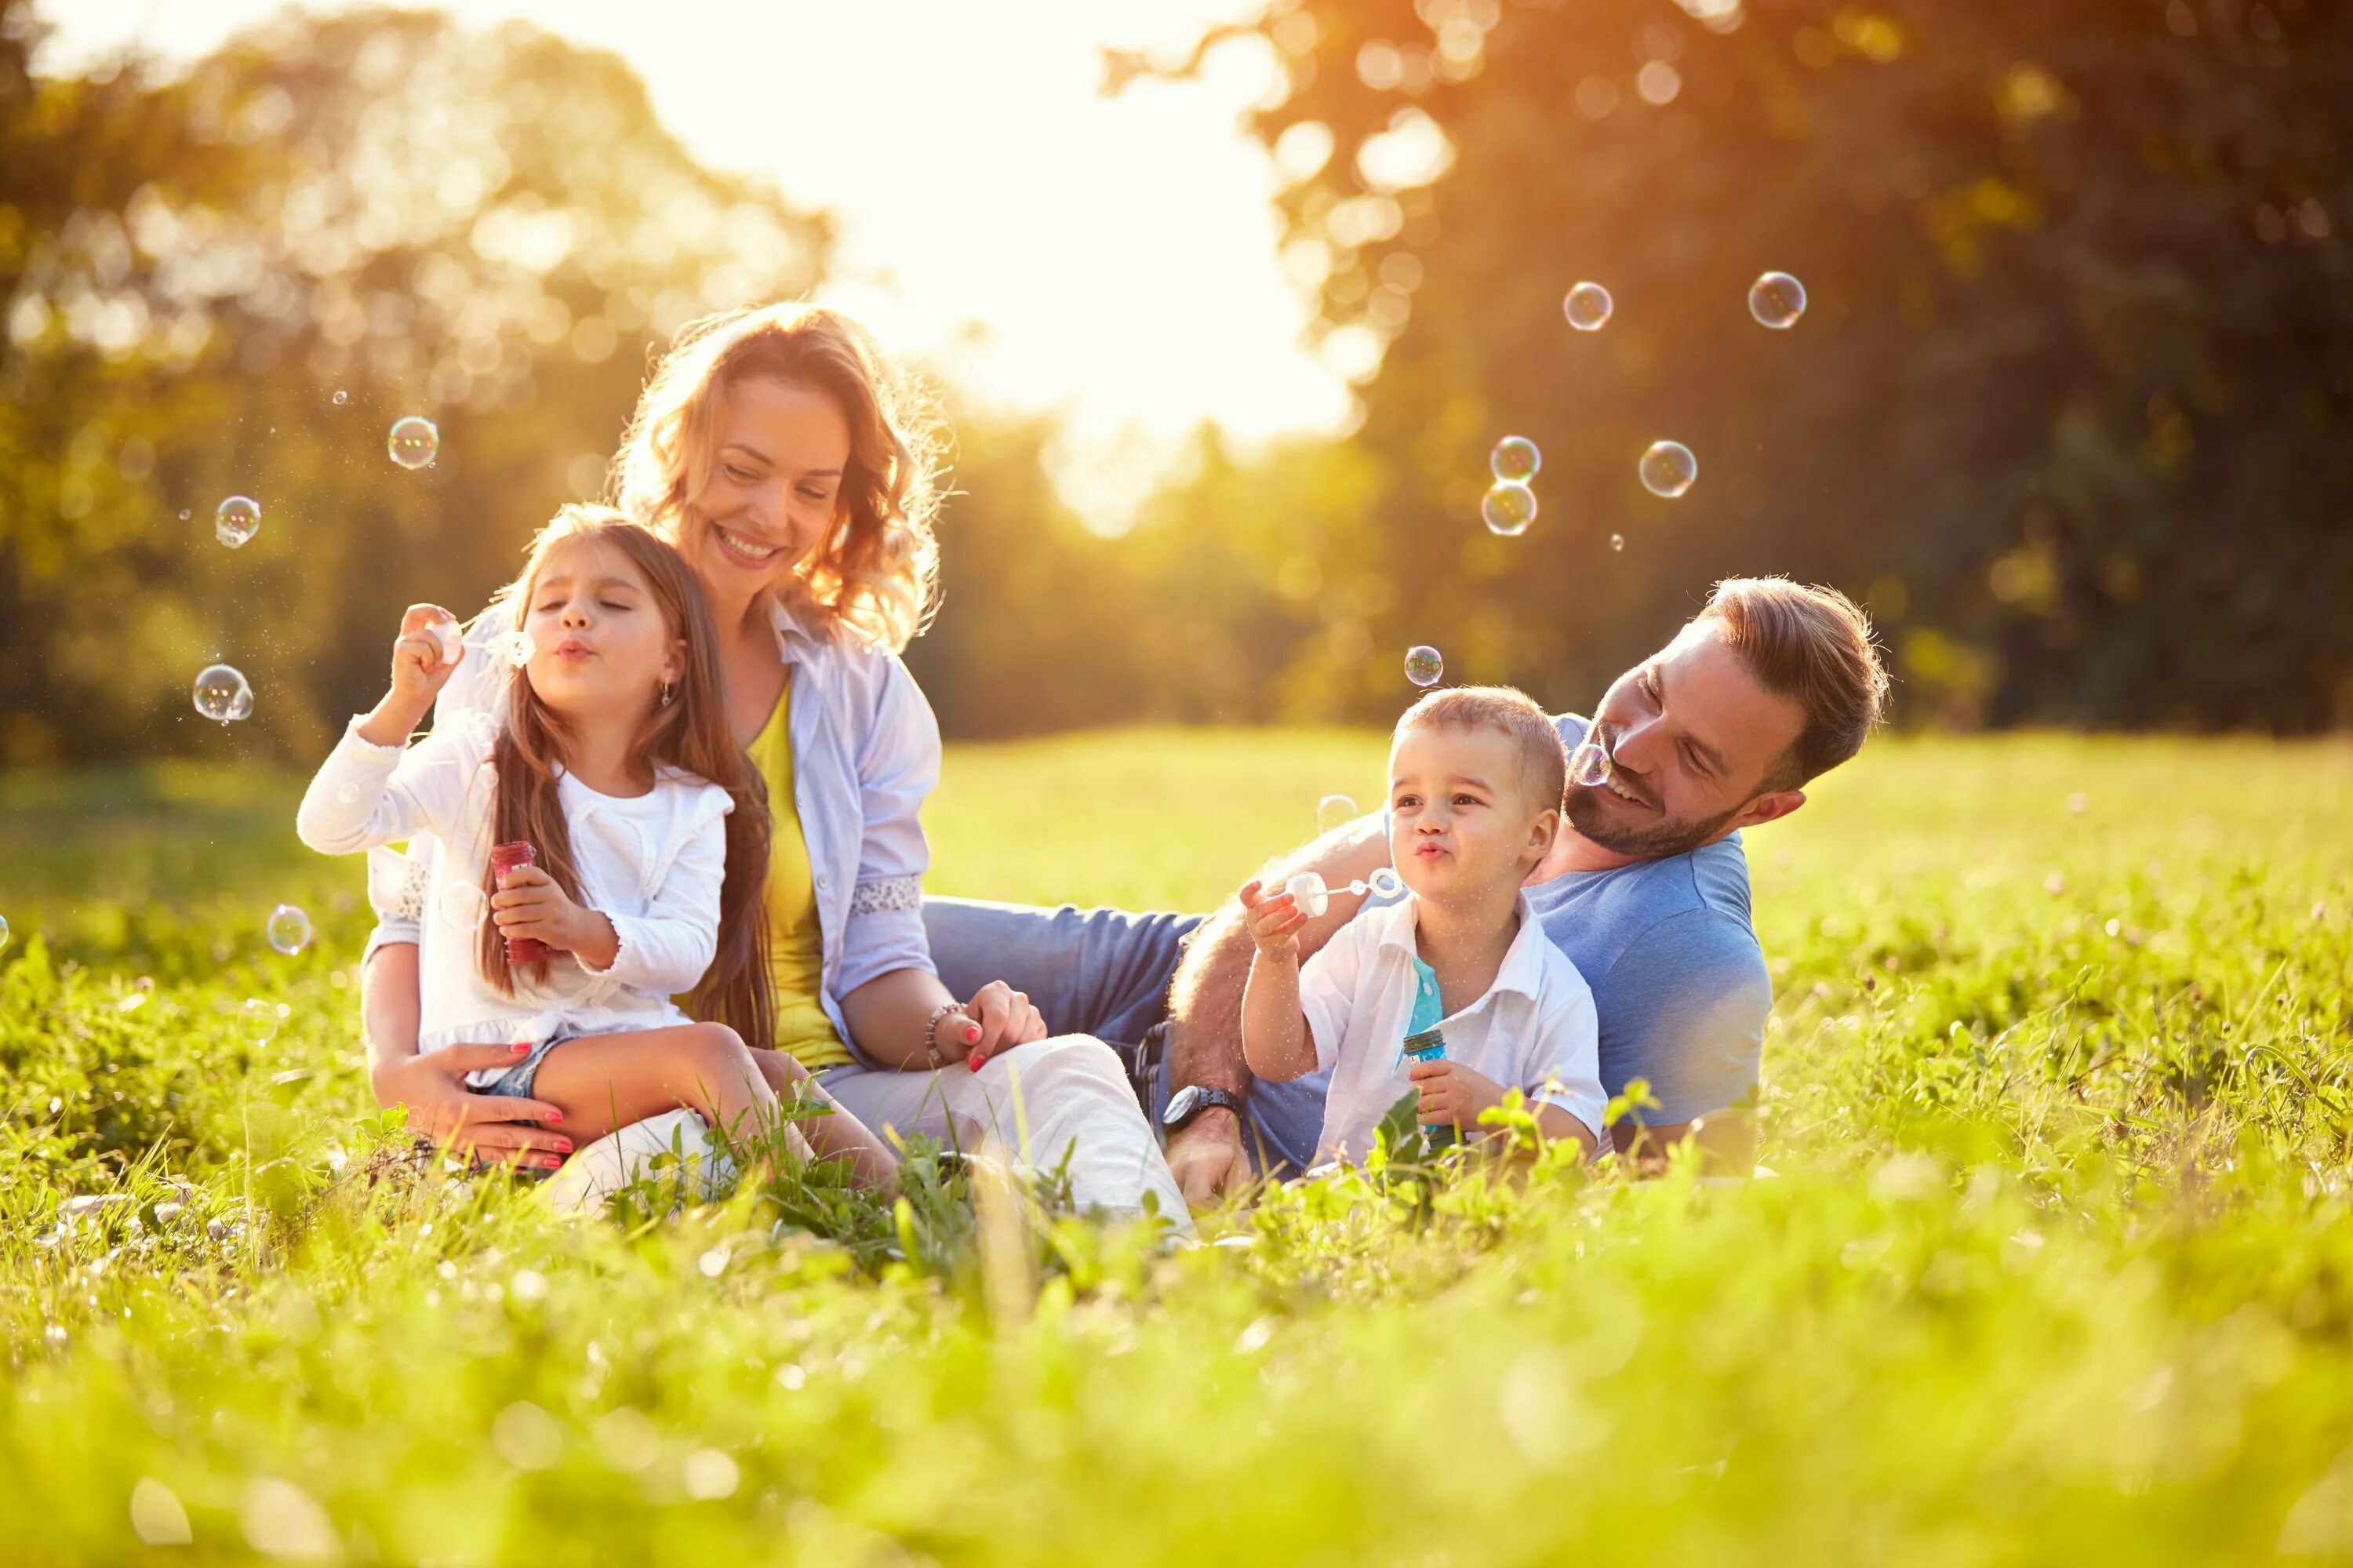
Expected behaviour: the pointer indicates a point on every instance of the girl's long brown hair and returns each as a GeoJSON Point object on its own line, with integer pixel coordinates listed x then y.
{"type": "Point", "coordinates": [688, 733]}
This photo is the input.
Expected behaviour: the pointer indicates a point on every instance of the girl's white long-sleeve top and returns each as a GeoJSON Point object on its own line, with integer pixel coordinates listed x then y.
{"type": "Point", "coordinates": [653, 864]}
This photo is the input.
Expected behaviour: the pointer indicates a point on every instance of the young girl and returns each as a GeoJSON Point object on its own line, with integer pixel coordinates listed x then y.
{"type": "Point", "coordinates": [649, 833]}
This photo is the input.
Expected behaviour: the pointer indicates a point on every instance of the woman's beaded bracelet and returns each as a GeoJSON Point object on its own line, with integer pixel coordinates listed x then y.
{"type": "Point", "coordinates": [931, 1031]}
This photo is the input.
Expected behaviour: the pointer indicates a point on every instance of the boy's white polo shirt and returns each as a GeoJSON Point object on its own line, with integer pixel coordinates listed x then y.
{"type": "Point", "coordinates": [1534, 1027]}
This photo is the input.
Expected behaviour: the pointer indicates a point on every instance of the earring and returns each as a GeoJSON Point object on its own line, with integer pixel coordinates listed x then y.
{"type": "Point", "coordinates": [665, 693]}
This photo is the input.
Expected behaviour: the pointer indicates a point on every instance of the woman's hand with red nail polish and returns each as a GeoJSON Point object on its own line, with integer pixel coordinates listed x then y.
{"type": "Point", "coordinates": [1002, 1018]}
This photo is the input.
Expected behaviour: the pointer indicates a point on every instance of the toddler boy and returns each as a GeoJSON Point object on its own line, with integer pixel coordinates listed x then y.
{"type": "Point", "coordinates": [1476, 777]}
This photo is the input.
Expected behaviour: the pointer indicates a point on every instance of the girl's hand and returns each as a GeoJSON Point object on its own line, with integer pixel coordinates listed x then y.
{"type": "Point", "coordinates": [420, 668]}
{"type": "Point", "coordinates": [529, 902]}
{"type": "Point", "coordinates": [1273, 920]}
{"type": "Point", "coordinates": [997, 1019]}
{"type": "Point", "coordinates": [421, 663]}
{"type": "Point", "coordinates": [1452, 1094]}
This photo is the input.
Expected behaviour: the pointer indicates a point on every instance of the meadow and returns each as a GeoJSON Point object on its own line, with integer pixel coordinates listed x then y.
{"type": "Point", "coordinates": [2054, 1262]}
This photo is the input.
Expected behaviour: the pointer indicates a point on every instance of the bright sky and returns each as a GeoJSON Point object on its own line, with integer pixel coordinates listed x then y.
{"type": "Point", "coordinates": [1118, 253]}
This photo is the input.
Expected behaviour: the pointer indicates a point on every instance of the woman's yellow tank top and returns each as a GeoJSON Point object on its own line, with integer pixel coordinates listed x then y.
{"type": "Point", "coordinates": [796, 944]}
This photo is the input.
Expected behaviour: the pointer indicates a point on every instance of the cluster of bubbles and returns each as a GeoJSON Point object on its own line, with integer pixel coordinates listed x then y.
{"type": "Point", "coordinates": [1667, 469]}
{"type": "Point", "coordinates": [222, 692]}
{"type": "Point", "coordinates": [1776, 299]}
{"type": "Point", "coordinates": [289, 929]}
{"type": "Point", "coordinates": [1311, 896]}
{"type": "Point", "coordinates": [1511, 505]}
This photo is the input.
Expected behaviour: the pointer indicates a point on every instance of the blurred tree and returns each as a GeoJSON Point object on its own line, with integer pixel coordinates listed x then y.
{"type": "Point", "coordinates": [2066, 408]}
{"type": "Point", "coordinates": [235, 280]}
{"type": "Point", "coordinates": [2070, 404]}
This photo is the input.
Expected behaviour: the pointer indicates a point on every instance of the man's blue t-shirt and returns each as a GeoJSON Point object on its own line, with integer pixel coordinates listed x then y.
{"type": "Point", "coordinates": [1678, 980]}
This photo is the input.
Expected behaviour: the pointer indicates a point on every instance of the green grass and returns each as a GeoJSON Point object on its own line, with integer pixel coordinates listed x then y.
{"type": "Point", "coordinates": [2058, 1264]}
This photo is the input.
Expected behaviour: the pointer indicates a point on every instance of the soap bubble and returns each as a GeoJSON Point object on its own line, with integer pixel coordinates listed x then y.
{"type": "Point", "coordinates": [1586, 307]}
{"type": "Point", "coordinates": [414, 442]}
{"type": "Point", "coordinates": [462, 905]}
{"type": "Point", "coordinates": [1308, 892]}
{"type": "Point", "coordinates": [1668, 468]}
{"type": "Point", "coordinates": [341, 396]}
{"type": "Point", "coordinates": [1509, 508]}
{"type": "Point", "coordinates": [289, 929]}
{"type": "Point", "coordinates": [1424, 665]}
{"type": "Point", "coordinates": [348, 793]}
{"type": "Point", "coordinates": [223, 694]}
{"type": "Point", "coordinates": [186, 514]}
{"type": "Point", "coordinates": [1385, 883]}
{"type": "Point", "coordinates": [482, 727]}
{"type": "Point", "coordinates": [516, 648]}
{"type": "Point", "coordinates": [1589, 765]}
{"type": "Point", "coordinates": [1776, 301]}
{"type": "Point", "coordinates": [1616, 540]}
{"type": "Point", "coordinates": [1335, 811]}
{"type": "Point", "coordinates": [4, 934]}
{"type": "Point", "coordinates": [237, 520]}
{"type": "Point", "coordinates": [260, 1019]}
{"type": "Point", "coordinates": [1515, 458]}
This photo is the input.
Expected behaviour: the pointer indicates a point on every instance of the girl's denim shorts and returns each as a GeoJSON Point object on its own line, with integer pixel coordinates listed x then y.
{"type": "Point", "coordinates": [516, 1081]}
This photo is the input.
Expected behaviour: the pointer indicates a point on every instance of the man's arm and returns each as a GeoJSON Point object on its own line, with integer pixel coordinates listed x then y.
{"type": "Point", "coordinates": [1205, 1002]}
{"type": "Point", "coordinates": [1726, 1142]}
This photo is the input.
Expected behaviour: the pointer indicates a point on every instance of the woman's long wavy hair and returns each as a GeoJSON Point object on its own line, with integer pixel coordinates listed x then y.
{"type": "Point", "coordinates": [688, 733]}
{"type": "Point", "coordinates": [876, 570]}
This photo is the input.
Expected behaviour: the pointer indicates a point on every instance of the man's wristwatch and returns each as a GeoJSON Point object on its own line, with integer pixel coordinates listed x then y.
{"type": "Point", "coordinates": [1192, 1100]}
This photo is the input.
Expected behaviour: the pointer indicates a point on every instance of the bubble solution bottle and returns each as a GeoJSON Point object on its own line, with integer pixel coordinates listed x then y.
{"type": "Point", "coordinates": [504, 860]}
{"type": "Point", "coordinates": [1429, 1045]}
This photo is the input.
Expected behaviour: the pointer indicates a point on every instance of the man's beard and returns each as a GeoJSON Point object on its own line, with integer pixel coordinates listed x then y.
{"type": "Point", "coordinates": [1585, 814]}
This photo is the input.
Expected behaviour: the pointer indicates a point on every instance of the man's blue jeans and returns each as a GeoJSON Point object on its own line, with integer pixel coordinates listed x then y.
{"type": "Point", "coordinates": [1105, 972]}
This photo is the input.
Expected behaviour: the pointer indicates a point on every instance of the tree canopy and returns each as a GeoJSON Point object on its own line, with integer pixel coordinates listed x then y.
{"type": "Point", "coordinates": [234, 280]}
{"type": "Point", "coordinates": [2068, 408]}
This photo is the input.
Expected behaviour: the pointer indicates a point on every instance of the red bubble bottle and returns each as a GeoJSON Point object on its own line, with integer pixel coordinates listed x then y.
{"type": "Point", "coordinates": [505, 859]}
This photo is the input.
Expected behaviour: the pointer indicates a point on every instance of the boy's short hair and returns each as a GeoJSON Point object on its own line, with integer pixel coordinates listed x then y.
{"type": "Point", "coordinates": [1544, 766]}
{"type": "Point", "coordinates": [1813, 646]}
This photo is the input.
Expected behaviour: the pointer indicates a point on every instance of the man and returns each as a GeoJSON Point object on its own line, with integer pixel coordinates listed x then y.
{"type": "Point", "coordinates": [1645, 888]}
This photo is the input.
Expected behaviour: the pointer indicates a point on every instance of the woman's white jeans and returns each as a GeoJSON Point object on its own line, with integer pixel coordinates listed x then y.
{"type": "Point", "coordinates": [1040, 1103]}
{"type": "Point", "coordinates": [1037, 1103]}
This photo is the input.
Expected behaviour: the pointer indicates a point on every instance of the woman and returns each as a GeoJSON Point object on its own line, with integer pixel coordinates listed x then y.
{"type": "Point", "coordinates": [790, 467]}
